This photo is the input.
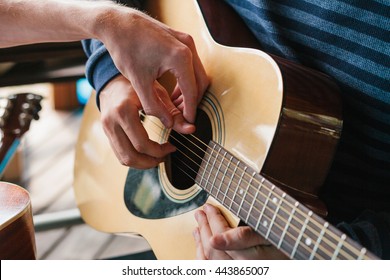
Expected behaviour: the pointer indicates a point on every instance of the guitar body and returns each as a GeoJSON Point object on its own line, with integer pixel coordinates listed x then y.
{"type": "Point", "coordinates": [265, 111]}
{"type": "Point", "coordinates": [17, 240]}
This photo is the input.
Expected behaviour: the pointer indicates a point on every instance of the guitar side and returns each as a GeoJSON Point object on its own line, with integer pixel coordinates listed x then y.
{"type": "Point", "coordinates": [17, 239]}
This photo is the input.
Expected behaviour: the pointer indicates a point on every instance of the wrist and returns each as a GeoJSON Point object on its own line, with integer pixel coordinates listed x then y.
{"type": "Point", "coordinates": [108, 19]}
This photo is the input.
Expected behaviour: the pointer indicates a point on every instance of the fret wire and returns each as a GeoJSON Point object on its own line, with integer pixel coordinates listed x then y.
{"type": "Point", "coordinates": [329, 243]}
{"type": "Point", "coordinates": [276, 235]}
{"type": "Point", "coordinates": [262, 212]}
{"type": "Point", "coordinates": [214, 162]}
{"type": "Point", "coordinates": [287, 224]}
{"type": "Point", "coordinates": [235, 191]}
{"type": "Point", "coordinates": [224, 175]}
{"type": "Point", "coordinates": [264, 207]}
{"type": "Point", "coordinates": [308, 229]}
{"type": "Point", "coordinates": [202, 177]}
{"type": "Point", "coordinates": [255, 198]}
{"type": "Point", "coordinates": [319, 239]}
{"type": "Point", "coordinates": [349, 245]}
{"type": "Point", "coordinates": [278, 225]}
{"type": "Point", "coordinates": [363, 252]}
{"type": "Point", "coordinates": [292, 227]}
{"type": "Point", "coordinates": [246, 194]}
{"type": "Point", "coordinates": [218, 169]}
{"type": "Point", "coordinates": [243, 174]}
{"type": "Point", "coordinates": [311, 234]}
{"type": "Point", "coordinates": [246, 191]}
{"type": "Point", "coordinates": [336, 252]}
{"type": "Point", "coordinates": [274, 216]}
{"type": "Point", "coordinates": [301, 233]}
{"type": "Point", "coordinates": [222, 178]}
{"type": "Point", "coordinates": [207, 164]}
{"type": "Point", "coordinates": [228, 185]}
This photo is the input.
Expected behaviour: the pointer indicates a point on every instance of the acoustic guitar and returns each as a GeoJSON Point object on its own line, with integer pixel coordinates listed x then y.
{"type": "Point", "coordinates": [17, 240]}
{"type": "Point", "coordinates": [266, 133]}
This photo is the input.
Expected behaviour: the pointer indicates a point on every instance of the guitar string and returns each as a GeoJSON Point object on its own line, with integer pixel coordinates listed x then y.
{"type": "Point", "coordinates": [276, 222]}
{"type": "Point", "coordinates": [281, 228]}
{"type": "Point", "coordinates": [276, 195]}
{"type": "Point", "coordinates": [302, 213]}
{"type": "Point", "coordinates": [328, 231]}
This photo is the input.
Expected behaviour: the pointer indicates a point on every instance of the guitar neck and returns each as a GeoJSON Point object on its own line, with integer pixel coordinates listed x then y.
{"type": "Point", "coordinates": [283, 221]}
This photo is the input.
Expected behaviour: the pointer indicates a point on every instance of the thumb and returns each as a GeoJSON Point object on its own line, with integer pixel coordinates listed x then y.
{"type": "Point", "coordinates": [237, 239]}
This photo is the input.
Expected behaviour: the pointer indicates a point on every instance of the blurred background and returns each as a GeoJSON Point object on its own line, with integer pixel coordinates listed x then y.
{"type": "Point", "coordinates": [43, 162]}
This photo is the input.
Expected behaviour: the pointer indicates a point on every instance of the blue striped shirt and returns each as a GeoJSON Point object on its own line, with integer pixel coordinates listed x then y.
{"type": "Point", "coordinates": [350, 41]}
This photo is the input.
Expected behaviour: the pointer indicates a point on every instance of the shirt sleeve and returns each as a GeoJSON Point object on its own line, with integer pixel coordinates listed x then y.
{"type": "Point", "coordinates": [100, 68]}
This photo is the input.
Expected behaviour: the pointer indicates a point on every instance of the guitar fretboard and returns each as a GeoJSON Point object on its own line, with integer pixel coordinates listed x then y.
{"type": "Point", "coordinates": [282, 220]}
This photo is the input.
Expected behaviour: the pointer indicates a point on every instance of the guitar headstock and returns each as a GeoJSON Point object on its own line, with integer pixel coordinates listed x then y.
{"type": "Point", "coordinates": [17, 111]}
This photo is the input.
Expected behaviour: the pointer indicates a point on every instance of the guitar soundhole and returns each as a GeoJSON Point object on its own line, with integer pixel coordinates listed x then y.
{"type": "Point", "coordinates": [185, 162]}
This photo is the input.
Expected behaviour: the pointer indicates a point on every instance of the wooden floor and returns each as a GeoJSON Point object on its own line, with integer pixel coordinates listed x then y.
{"type": "Point", "coordinates": [48, 153]}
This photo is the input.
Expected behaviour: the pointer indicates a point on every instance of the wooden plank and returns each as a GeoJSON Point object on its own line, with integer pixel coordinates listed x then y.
{"type": "Point", "coordinates": [49, 167]}
{"type": "Point", "coordinates": [80, 243]}
{"type": "Point", "coordinates": [65, 201]}
{"type": "Point", "coordinates": [124, 245]}
{"type": "Point", "coordinates": [47, 241]}
{"type": "Point", "coordinates": [46, 187]}
{"type": "Point", "coordinates": [54, 138]}
{"type": "Point", "coordinates": [48, 125]}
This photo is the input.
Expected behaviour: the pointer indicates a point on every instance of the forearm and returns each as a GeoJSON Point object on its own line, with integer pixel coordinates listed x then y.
{"type": "Point", "coordinates": [27, 21]}
{"type": "Point", "coordinates": [100, 68]}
